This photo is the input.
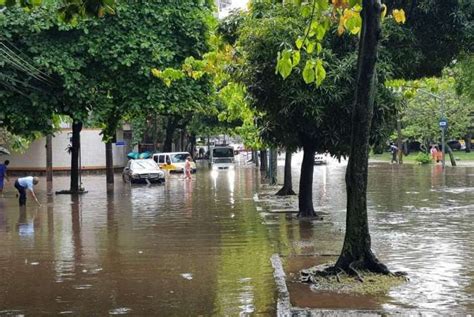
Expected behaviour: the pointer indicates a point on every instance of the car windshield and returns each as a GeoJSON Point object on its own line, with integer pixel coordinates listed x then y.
{"type": "Point", "coordinates": [223, 152]}
{"type": "Point", "coordinates": [179, 158]}
{"type": "Point", "coordinates": [142, 165]}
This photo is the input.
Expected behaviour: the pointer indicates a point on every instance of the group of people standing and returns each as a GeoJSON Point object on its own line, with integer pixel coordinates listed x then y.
{"type": "Point", "coordinates": [22, 184]}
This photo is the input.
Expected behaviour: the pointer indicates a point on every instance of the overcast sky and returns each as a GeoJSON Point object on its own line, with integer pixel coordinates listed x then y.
{"type": "Point", "coordinates": [235, 4]}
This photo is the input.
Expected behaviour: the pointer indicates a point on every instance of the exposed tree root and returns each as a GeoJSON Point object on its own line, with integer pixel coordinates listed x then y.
{"type": "Point", "coordinates": [308, 215]}
{"type": "Point", "coordinates": [356, 277]}
{"type": "Point", "coordinates": [352, 281]}
{"type": "Point", "coordinates": [285, 191]}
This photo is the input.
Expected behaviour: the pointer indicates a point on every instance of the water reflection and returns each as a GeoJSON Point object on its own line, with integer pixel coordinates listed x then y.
{"type": "Point", "coordinates": [201, 248]}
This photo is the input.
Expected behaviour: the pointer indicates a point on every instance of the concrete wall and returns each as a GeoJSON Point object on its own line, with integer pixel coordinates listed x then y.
{"type": "Point", "coordinates": [92, 150]}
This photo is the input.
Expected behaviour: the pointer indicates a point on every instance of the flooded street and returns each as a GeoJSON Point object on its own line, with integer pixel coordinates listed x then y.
{"type": "Point", "coordinates": [203, 248]}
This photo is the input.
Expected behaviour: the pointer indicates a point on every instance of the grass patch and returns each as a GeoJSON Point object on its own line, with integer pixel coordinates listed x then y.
{"type": "Point", "coordinates": [460, 156]}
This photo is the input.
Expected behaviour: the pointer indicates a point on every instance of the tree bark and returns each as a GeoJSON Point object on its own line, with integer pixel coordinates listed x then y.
{"type": "Point", "coordinates": [170, 129]}
{"type": "Point", "coordinates": [193, 146]}
{"type": "Point", "coordinates": [305, 197]}
{"type": "Point", "coordinates": [468, 142]}
{"type": "Point", "coordinates": [273, 177]}
{"type": "Point", "coordinates": [356, 251]}
{"type": "Point", "coordinates": [256, 159]}
{"type": "Point", "coordinates": [287, 188]}
{"type": "Point", "coordinates": [49, 158]}
{"type": "Point", "coordinates": [263, 160]}
{"type": "Point", "coordinates": [109, 163]}
{"type": "Point", "coordinates": [155, 133]}
{"type": "Point", "coordinates": [49, 164]}
{"type": "Point", "coordinates": [399, 140]}
{"type": "Point", "coordinates": [450, 153]}
{"type": "Point", "coordinates": [75, 153]}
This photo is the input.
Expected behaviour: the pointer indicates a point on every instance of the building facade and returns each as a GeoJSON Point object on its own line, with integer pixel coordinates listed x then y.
{"type": "Point", "coordinates": [92, 153]}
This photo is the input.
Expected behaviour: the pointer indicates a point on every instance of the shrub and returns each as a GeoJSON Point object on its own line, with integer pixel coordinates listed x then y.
{"type": "Point", "coordinates": [423, 158]}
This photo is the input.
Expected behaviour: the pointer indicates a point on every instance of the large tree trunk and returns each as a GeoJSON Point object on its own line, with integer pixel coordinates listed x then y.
{"type": "Point", "coordinates": [49, 163]}
{"type": "Point", "coordinates": [273, 167]}
{"type": "Point", "coordinates": [75, 153]}
{"type": "Point", "coordinates": [287, 188]}
{"type": "Point", "coordinates": [356, 251]}
{"type": "Point", "coordinates": [399, 140]}
{"type": "Point", "coordinates": [192, 147]}
{"type": "Point", "coordinates": [450, 153]}
{"type": "Point", "coordinates": [263, 160]}
{"type": "Point", "coordinates": [170, 129]}
{"type": "Point", "coordinates": [109, 163]}
{"type": "Point", "coordinates": [468, 142]}
{"type": "Point", "coordinates": [155, 133]}
{"type": "Point", "coordinates": [256, 160]}
{"type": "Point", "coordinates": [305, 197]}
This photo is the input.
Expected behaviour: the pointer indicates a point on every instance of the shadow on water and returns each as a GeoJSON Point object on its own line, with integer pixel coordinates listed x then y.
{"type": "Point", "coordinates": [201, 247]}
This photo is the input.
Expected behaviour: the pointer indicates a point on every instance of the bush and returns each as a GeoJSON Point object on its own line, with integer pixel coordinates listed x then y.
{"type": "Point", "coordinates": [423, 158]}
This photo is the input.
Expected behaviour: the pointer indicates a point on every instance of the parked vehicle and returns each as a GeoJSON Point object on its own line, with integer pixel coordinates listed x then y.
{"type": "Point", "coordinates": [222, 157]}
{"type": "Point", "coordinates": [320, 158]}
{"type": "Point", "coordinates": [143, 170]}
{"type": "Point", "coordinates": [173, 161]}
{"type": "Point", "coordinates": [457, 145]}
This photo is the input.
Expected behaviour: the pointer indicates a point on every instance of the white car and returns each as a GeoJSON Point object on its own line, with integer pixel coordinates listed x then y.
{"type": "Point", "coordinates": [320, 158]}
{"type": "Point", "coordinates": [143, 170]}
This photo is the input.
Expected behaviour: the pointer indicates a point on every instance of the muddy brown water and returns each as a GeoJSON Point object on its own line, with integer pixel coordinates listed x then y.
{"type": "Point", "coordinates": [202, 248]}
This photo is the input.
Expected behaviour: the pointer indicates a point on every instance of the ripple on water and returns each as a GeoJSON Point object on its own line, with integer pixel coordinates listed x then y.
{"type": "Point", "coordinates": [120, 311]}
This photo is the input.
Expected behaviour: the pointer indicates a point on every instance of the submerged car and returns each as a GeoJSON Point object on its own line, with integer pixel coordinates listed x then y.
{"type": "Point", "coordinates": [143, 170]}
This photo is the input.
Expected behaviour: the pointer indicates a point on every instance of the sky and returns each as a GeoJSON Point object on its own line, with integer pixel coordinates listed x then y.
{"type": "Point", "coordinates": [235, 4]}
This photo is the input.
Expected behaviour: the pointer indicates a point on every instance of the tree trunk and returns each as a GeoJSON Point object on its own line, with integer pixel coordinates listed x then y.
{"type": "Point", "coordinates": [356, 251]}
{"type": "Point", "coordinates": [49, 158]}
{"type": "Point", "coordinates": [287, 188]}
{"type": "Point", "coordinates": [273, 167]}
{"type": "Point", "coordinates": [263, 160]}
{"type": "Point", "coordinates": [468, 142]}
{"type": "Point", "coordinates": [305, 197]}
{"type": "Point", "coordinates": [109, 163]}
{"type": "Point", "coordinates": [255, 156]}
{"type": "Point", "coordinates": [450, 153]}
{"type": "Point", "coordinates": [193, 146]}
{"type": "Point", "coordinates": [399, 140]}
{"type": "Point", "coordinates": [170, 128]}
{"type": "Point", "coordinates": [75, 153]}
{"type": "Point", "coordinates": [182, 136]}
{"type": "Point", "coordinates": [49, 163]}
{"type": "Point", "coordinates": [155, 133]}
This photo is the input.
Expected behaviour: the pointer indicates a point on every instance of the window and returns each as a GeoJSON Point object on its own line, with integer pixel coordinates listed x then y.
{"type": "Point", "coordinates": [223, 152]}
{"type": "Point", "coordinates": [180, 157]}
{"type": "Point", "coordinates": [161, 159]}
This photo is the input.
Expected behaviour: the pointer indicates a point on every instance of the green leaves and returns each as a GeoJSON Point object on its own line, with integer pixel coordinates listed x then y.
{"type": "Point", "coordinates": [299, 42]}
{"type": "Point", "coordinates": [320, 72]}
{"type": "Point", "coordinates": [284, 63]}
{"type": "Point", "coordinates": [314, 72]}
{"type": "Point", "coordinates": [308, 72]}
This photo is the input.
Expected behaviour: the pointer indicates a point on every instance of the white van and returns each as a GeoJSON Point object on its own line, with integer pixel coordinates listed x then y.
{"type": "Point", "coordinates": [173, 161]}
{"type": "Point", "coordinates": [222, 157]}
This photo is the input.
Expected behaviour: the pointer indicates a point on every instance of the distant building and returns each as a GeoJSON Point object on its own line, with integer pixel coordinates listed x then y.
{"type": "Point", "coordinates": [92, 152]}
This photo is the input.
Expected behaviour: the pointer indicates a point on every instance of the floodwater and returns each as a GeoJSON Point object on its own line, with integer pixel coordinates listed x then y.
{"type": "Point", "coordinates": [202, 247]}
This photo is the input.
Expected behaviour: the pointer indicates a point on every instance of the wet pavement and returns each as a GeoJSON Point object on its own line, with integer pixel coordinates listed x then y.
{"type": "Point", "coordinates": [202, 247]}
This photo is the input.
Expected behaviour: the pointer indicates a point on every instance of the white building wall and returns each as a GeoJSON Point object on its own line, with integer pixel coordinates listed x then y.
{"type": "Point", "coordinates": [92, 151]}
